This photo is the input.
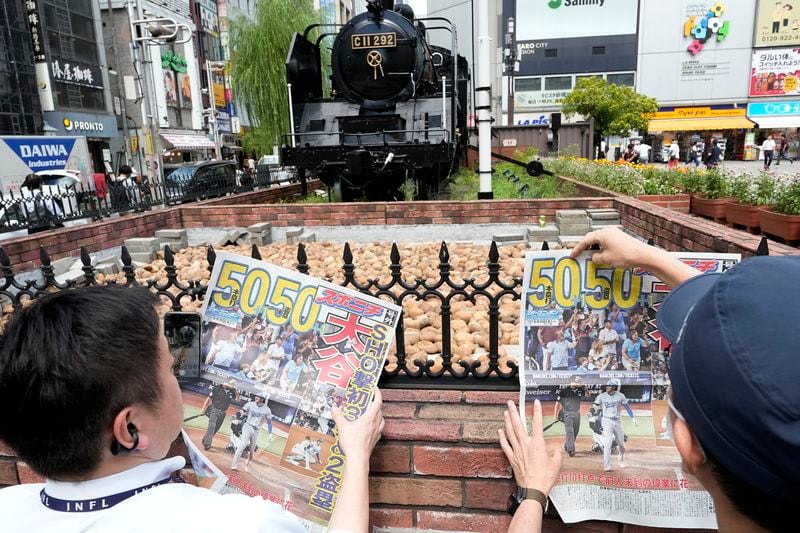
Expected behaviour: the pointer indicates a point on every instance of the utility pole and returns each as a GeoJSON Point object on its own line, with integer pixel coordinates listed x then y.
{"type": "Point", "coordinates": [510, 63]}
{"type": "Point", "coordinates": [212, 66]}
{"type": "Point", "coordinates": [126, 137]}
{"type": "Point", "coordinates": [484, 91]}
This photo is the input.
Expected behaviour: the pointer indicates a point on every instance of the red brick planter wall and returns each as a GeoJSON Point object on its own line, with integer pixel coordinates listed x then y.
{"type": "Point", "coordinates": [676, 202]}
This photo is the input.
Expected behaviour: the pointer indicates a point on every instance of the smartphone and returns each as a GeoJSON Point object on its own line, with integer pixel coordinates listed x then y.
{"type": "Point", "coordinates": [183, 331]}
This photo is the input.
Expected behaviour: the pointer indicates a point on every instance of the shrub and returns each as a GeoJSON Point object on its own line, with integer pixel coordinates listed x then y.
{"type": "Point", "coordinates": [787, 199]}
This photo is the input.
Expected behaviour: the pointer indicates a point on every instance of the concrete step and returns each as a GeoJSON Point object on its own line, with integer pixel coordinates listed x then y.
{"type": "Point", "coordinates": [508, 237]}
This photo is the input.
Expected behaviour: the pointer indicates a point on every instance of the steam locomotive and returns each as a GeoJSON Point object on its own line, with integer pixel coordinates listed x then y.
{"type": "Point", "coordinates": [396, 110]}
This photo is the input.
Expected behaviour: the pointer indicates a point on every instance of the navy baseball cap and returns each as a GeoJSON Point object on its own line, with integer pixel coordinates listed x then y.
{"type": "Point", "coordinates": [735, 366]}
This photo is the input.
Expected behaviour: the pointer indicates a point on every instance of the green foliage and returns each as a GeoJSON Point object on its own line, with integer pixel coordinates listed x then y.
{"type": "Point", "coordinates": [766, 189]}
{"type": "Point", "coordinates": [258, 73]}
{"type": "Point", "coordinates": [715, 185]}
{"type": "Point", "coordinates": [788, 199]}
{"type": "Point", "coordinates": [616, 109]}
{"type": "Point", "coordinates": [742, 188]}
{"type": "Point", "coordinates": [465, 184]}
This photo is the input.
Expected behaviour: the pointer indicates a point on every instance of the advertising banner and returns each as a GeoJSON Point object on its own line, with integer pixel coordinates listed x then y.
{"type": "Point", "coordinates": [777, 23]}
{"type": "Point", "coordinates": [593, 356]}
{"type": "Point", "coordinates": [280, 350]}
{"type": "Point", "coordinates": [775, 72]}
{"type": "Point", "coordinates": [23, 155]}
{"type": "Point", "coordinates": [568, 36]}
{"type": "Point", "coordinates": [695, 51]}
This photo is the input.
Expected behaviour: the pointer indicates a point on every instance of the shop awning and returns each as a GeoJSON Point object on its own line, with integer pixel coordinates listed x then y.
{"type": "Point", "coordinates": [777, 122]}
{"type": "Point", "coordinates": [187, 141]}
{"type": "Point", "coordinates": [699, 124]}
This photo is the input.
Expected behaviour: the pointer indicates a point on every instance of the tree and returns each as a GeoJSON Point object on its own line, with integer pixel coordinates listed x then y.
{"type": "Point", "coordinates": [615, 109]}
{"type": "Point", "coordinates": [259, 47]}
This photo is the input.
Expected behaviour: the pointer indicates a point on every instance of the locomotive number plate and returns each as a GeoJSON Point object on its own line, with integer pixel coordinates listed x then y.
{"type": "Point", "coordinates": [373, 40]}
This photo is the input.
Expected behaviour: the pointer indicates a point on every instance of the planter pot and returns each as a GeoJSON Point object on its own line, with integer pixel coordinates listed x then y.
{"type": "Point", "coordinates": [713, 209]}
{"type": "Point", "coordinates": [787, 227]}
{"type": "Point", "coordinates": [748, 216]}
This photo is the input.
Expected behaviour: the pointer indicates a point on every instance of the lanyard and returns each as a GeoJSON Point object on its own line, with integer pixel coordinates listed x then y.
{"type": "Point", "coordinates": [95, 504]}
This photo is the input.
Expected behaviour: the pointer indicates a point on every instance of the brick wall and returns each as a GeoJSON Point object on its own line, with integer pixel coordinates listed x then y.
{"type": "Point", "coordinates": [439, 465]}
{"type": "Point", "coordinates": [390, 213]}
{"type": "Point", "coordinates": [677, 231]}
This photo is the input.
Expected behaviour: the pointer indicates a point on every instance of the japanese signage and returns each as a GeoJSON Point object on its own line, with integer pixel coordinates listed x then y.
{"type": "Point", "coordinates": [563, 19]}
{"type": "Point", "coordinates": [591, 350]}
{"type": "Point", "coordinates": [37, 36]}
{"type": "Point", "coordinates": [281, 350]}
{"type": "Point", "coordinates": [219, 96]}
{"type": "Point", "coordinates": [74, 73]}
{"type": "Point", "coordinates": [534, 99]}
{"type": "Point", "coordinates": [704, 25]}
{"type": "Point", "coordinates": [223, 122]}
{"type": "Point", "coordinates": [777, 23]}
{"type": "Point", "coordinates": [775, 72]}
{"type": "Point", "coordinates": [699, 112]}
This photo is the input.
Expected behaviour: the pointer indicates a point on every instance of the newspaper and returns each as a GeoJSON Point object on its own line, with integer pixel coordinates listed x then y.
{"type": "Point", "coordinates": [570, 354]}
{"type": "Point", "coordinates": [280, 349]}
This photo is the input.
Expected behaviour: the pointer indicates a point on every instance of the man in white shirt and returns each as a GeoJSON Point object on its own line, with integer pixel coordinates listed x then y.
{"type": "Point", "coordinates": [768, 147]}
{"type": "Point", "coordinates": [643, 149]}
{"type": "Point", "coordinates": [609, 338]}
{"type": "Point", "coordinates": [113, 408]}
{"type": "Point", "coordinates": [223, 351]}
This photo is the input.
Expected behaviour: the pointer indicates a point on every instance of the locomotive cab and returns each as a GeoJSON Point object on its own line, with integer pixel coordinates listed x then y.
{"type": "Point", "coordinates": [389, 104]}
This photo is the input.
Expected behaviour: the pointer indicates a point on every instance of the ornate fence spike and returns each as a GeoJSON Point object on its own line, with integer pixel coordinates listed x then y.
{"type": "Point", "coordinates": [545, 246]}
{"type": "Point", "coordinates": [302, 259]}
{"type": "Point", "coordinates": [44, 257]}
{"type": "Point", "coordinates": [169, 257]}
{"type": "Point", "coordinates": [125, 256]}
{"type": "Point", "coordinates": [86, 259]}
{"type": "Point", "coordinates": [4, 260]}
{"type": "Point", "coordinates": [347, 256]}
{"type": "Point", "coordinates": [88, 269]}
{"type": "Point", "coordinates": [444, 253]}
{"type": "Point", "coordinates": [651, 242]}
{"type": "Point", "coordinates": [394, 255]}
{"type": "Point", "coordinates": [494, 254]}
{"type": "Point", "coordinates": [211, 256]}
{"type": "Point", "coordinates": [763, 247]}
{"type": "Point", "coordinates": [254, 253]}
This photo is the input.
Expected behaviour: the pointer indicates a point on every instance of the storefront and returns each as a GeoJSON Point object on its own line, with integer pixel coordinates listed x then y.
{"type": "Point", "coordinates": [777, 118]}
{"type": "Point", "coordinates": [98, 129]}
{"type": "Point", "coordinates": [182, 146]}
{"type": "Point", "coordinates": [728, 124]}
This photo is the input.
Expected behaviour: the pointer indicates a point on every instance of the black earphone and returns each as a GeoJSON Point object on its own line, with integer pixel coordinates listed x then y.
{"type": "Point", "coordinates": [118, 449]}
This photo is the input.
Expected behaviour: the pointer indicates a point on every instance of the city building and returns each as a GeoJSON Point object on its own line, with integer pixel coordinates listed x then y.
{"type": "Point", "coordinates": [20, 111]}
{"type": "Point", "coordinates": [54, 77]}
{"type": "Point", "coordinates": [172, 98]}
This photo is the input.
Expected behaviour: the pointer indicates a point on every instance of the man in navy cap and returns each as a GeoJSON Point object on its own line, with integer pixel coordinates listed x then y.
{"type": "Point", "coordinates": [735, 402]}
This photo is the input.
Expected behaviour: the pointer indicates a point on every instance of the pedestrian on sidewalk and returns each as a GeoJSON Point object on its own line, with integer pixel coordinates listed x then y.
{"type": "Point", "coordinates": [768, 148]}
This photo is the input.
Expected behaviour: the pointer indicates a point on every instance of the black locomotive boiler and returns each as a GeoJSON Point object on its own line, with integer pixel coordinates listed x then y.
{"type": "Point", "coordinates": [396, 110]}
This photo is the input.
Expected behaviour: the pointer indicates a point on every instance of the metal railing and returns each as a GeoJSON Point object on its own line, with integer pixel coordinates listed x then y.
{"type": "Point", "coordinates": [442, 371]}
{"type": "Point", "coordinates": [52, 206]}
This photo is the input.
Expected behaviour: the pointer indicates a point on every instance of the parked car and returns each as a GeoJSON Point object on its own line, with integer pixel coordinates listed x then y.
{"type": "Point", "coordinates": [199, 180]}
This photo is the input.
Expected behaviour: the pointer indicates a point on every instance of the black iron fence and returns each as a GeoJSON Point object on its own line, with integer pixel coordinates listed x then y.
{"type": "Point", "coordinates": [52, 205]}
{"type": "Point", "coordinates": [440, 372]}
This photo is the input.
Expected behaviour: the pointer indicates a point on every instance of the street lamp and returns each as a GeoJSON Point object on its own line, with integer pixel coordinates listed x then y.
{"type": "Point", "coordinates": [511, 63]}
{"type": "Point", "coordinates": [146, 32]}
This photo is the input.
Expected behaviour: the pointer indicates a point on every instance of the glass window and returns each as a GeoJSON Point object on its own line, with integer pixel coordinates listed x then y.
{"type": "Point", "coordinates": [558, 83]}
{"type": "Point", "coordinates": [625, 78]}
{"type": "Point", "coordinates": [551, 52]}
{"type": "Point", "coordinates": [84, 7]}
{"type": "Point", "coordinates": [54, 42]}
{"type": "Point", "coordinates": [82, 27]}
{"type": "Point", "coordinates": [598, 50]}
{"type": "Point", "coordinates": [528, 84]}
{"type": "Point", "coordinates": [85, 51]}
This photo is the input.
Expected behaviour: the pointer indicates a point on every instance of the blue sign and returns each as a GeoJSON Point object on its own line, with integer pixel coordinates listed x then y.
{"type": "Point", "coordinates": [541, 121]}
{"type": "Point", "coordinates": [774, 109]}
{"type": "Point", "coordinates": [42, 154]}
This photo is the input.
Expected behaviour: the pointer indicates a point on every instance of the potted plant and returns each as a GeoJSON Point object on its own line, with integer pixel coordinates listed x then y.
{"type": "Point", "coordinates": [750, 197]}
{"type": "Point", "coordinates": [783, 220]}
{"type": "Point", "coordinates": [711, 203]}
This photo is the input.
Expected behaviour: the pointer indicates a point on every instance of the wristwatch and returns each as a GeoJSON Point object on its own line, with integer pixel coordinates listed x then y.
{"type": "Point", "coordinates": [522, 493]}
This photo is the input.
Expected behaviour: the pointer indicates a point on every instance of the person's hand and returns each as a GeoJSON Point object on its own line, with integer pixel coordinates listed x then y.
{"type": "Point", "coordinates": [535, 464]}
{"type": "Point", "coordinates": [618, 249]}
{"type": "Point", "coordinates": [358, 437]}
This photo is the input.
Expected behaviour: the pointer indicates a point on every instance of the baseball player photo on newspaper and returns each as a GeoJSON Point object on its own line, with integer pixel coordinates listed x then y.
{"type": "Point", "coordinates": [280, 350]}
{"type": "Point", "coordinates": [592, 354]}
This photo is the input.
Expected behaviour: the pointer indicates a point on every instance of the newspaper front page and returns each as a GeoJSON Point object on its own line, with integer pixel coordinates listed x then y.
{"type": "Point", "coordinates": [592, 354]}
{"type": "Point", "coordinates": [280, 350]}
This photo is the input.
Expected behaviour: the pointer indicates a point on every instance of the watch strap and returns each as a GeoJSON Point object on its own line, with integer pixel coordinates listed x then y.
{"type": "Point", "coordinates": [524, 493]}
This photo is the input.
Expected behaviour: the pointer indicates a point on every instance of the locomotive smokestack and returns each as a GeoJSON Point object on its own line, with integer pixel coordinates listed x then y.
{"type": "Point", "coordinates": [388, 5]}
{"type": "Point", "coordinates": [378, 6]}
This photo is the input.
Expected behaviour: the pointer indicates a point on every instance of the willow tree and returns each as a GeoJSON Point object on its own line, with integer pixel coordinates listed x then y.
{"type": "Point", "coordinates": [259, 47]}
